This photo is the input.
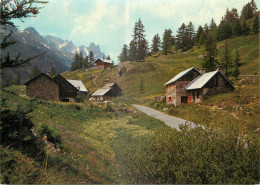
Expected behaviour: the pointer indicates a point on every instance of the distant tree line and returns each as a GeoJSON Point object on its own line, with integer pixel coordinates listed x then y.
{"type": "Point", "coordinates": [231, 25]}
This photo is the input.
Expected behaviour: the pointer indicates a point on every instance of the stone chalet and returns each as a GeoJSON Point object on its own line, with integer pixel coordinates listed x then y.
{"type": "Point", "coordinates": [103, 63]}
{"type": "Point", "coordinates": [109, 91]}
{"type": "Point", "coordinates": [192, 85]}
{"type": "Point", "coordinates": [54, 89]}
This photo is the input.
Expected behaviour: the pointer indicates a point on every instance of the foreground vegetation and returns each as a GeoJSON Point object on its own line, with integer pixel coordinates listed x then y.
{"type": "Point", "coordinates": [98, 143]}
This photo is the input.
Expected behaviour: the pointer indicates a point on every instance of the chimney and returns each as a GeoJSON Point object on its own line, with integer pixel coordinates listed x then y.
{"type": "Point", "coordinates": [48, 73]}
{"type": "Point", "coordinates": [202, 71]}
{"type": "Point", "coordinates": [220, 69]}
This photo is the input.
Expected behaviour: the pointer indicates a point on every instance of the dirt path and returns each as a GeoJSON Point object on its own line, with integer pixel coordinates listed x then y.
{"type": "Point", "coordinates": [94, 80]}
{"type": "Point", "coordinates": [171, 121]}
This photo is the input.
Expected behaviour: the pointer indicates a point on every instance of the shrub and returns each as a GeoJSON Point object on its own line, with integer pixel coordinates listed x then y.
{"type": "Point", "coordinates": [172, 111]}
{"type": "Point", "coordinates": [15, 130]}
{"type": "Point", "coordinates": [74, 106]}
{"type": "Point", "coordinates": [109, 108]}
{"type": "Point", "coordinates": [188, 156]}
{"type": "Point", "coordinates": [16, 168]}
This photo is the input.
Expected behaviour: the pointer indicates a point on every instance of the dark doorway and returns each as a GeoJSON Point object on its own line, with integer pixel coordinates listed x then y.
{"type": "Point", "coordinates": [184, 99]}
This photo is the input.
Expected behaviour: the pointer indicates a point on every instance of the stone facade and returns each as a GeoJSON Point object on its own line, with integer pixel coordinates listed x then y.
{"type": "Point", "coordinates": [51, 89]}
{"type": "Point", "coordinates": [177, 94]}
{"type": "Point", "coordinates": [43, 87]}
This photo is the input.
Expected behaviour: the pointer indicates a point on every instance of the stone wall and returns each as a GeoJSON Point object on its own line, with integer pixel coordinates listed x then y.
{"type": "Point", "coordinates": [43, 88]}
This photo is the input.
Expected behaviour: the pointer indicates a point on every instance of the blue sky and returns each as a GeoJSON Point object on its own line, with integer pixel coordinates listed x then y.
{"type": "Point", "coordinates": [109, 23]}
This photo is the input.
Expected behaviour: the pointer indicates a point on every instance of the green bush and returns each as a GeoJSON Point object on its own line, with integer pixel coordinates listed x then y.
{"type": "Point", "coordinates": [15, 131]}
{"type": "Point", "coordinates": [189, 156]}
{"type": "Point", "coordinates": [172, 111]}
{"type": "Point", "coordinates": [16, 168]}
{"type": "Point", "coordinates": [74, 106]}
{"type": "Point", "coordinates": [109, 108]}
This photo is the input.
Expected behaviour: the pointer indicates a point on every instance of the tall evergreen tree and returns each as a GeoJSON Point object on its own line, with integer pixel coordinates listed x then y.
{"type": "Point", "coordinates": [53, 71]}
{"type": "Point", "coordinates": [132, 51]}
{"type": "Point", "coordinates": [213, 25]}
{"type": "Point", "coordinates": [245, 28]}
{"type": "Point", "coordinates": [139, 40]}
{"type": "Point", "coordinates": [167, 41]}
{"type": "Point", "coordinates": [227, 57]}
{"type": "Point", "coordinates": [81, 60]}
{"type": "Point", "coordinates": [253, 6]}
{"type": "Point", "coordinates": [236, 28]}
{"type": "Point", "coordinates": [91, 59]}
{"type": "Point", "coordinates": [209, 61]}
{"type": "Point", "coordinates": [108, 57]}
{"type": "Point", "coordinates": [255, 27]}
{"type": "Point", "coordinates": [190, 35]}
{"type": "Point", "coordinates": [206, 28]}
{"type": "Point", "coordinates": [86, 63]}
{"type": "Point", "coordinates": [247, 11]}
{"type": "Point", "coordinates": [236, 70]}
{"type": "Point", "coordinates": [36, 71]}
{"type": "Point", "coordinates": [200, 33]}
{"type": "Point", "coordinates": [76, 61]}
{"type": "Point", "coordinates": [156, 44]}
{"type": "Point", "coordinates": [181, 37]}
{"type": "Point", "coordinates": [124, 54]}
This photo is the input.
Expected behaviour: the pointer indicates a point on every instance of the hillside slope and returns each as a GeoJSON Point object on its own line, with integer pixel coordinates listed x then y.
{"type": "Point", "coordinates": [158, 69]}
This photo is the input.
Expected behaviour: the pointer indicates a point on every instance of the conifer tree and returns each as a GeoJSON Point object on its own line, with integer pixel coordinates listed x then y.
{"type": "Point", "coordinates": [132, 51]}
{"type": "Point", "coordinates": [236, 28]}
{"type": "Point", "coordinates": [80, 63]}
{"type": "Point", "coordinates": [190, 35]}
{"type": "Point", "coordinates": [236, 71]}
{"type": "Point", "coordinates": [255, 27]}
{"type": "Point", "coordinates": [108, 57]}
{"type": "Point", "coordinates": [156, 44]}
{"type": "Point", "coordinates": [91, 59]}
{"type": "Point", "coordinates": [213, 25]}
{"type": "Point", "coordinates": [167, 41]}
{"type": "Point", "coordinates": [124, 54]}
{"type": "Point", "coordinates": [181, 37]}
{"type": "Point", "coordinates": [245, 28]}
{"type": "Point", "coordinates": [226, 58]}
{"type": "Point", "coordinates": [53, 71]}
{"type": "Point", "coordinates": [247, 11]}
{"type": "Point", "coordinates": [209, 61]}
{"type": "Point", "coordinates": [86, 63]}
{"type": "Point", "coordinates": [140, 43]}
{"type": "Point", "coordinates": [198, 35]}
{"type": "Point", "coordinates": [76, 61]}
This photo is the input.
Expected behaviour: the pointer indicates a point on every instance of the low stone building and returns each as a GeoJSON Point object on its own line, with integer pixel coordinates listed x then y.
{"type": "Point", "coordinates": [109, 91]}
{"type": "Point", "coordinates": [193, 85]}
{"type": "Point", "coordinates": [43, 87]}
{"type": "Point", "coordinates": [103, 63]}
{"type": "Point", "coordinates": [54, 89]}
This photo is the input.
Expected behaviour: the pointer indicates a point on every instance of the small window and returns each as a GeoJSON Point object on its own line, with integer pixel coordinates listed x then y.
{"type": "Point", "coordinates": [198, 95]}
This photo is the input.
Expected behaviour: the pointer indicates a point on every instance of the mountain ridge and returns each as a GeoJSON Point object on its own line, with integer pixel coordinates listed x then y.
{"type": "Point", "coordinates": [59, 52]}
